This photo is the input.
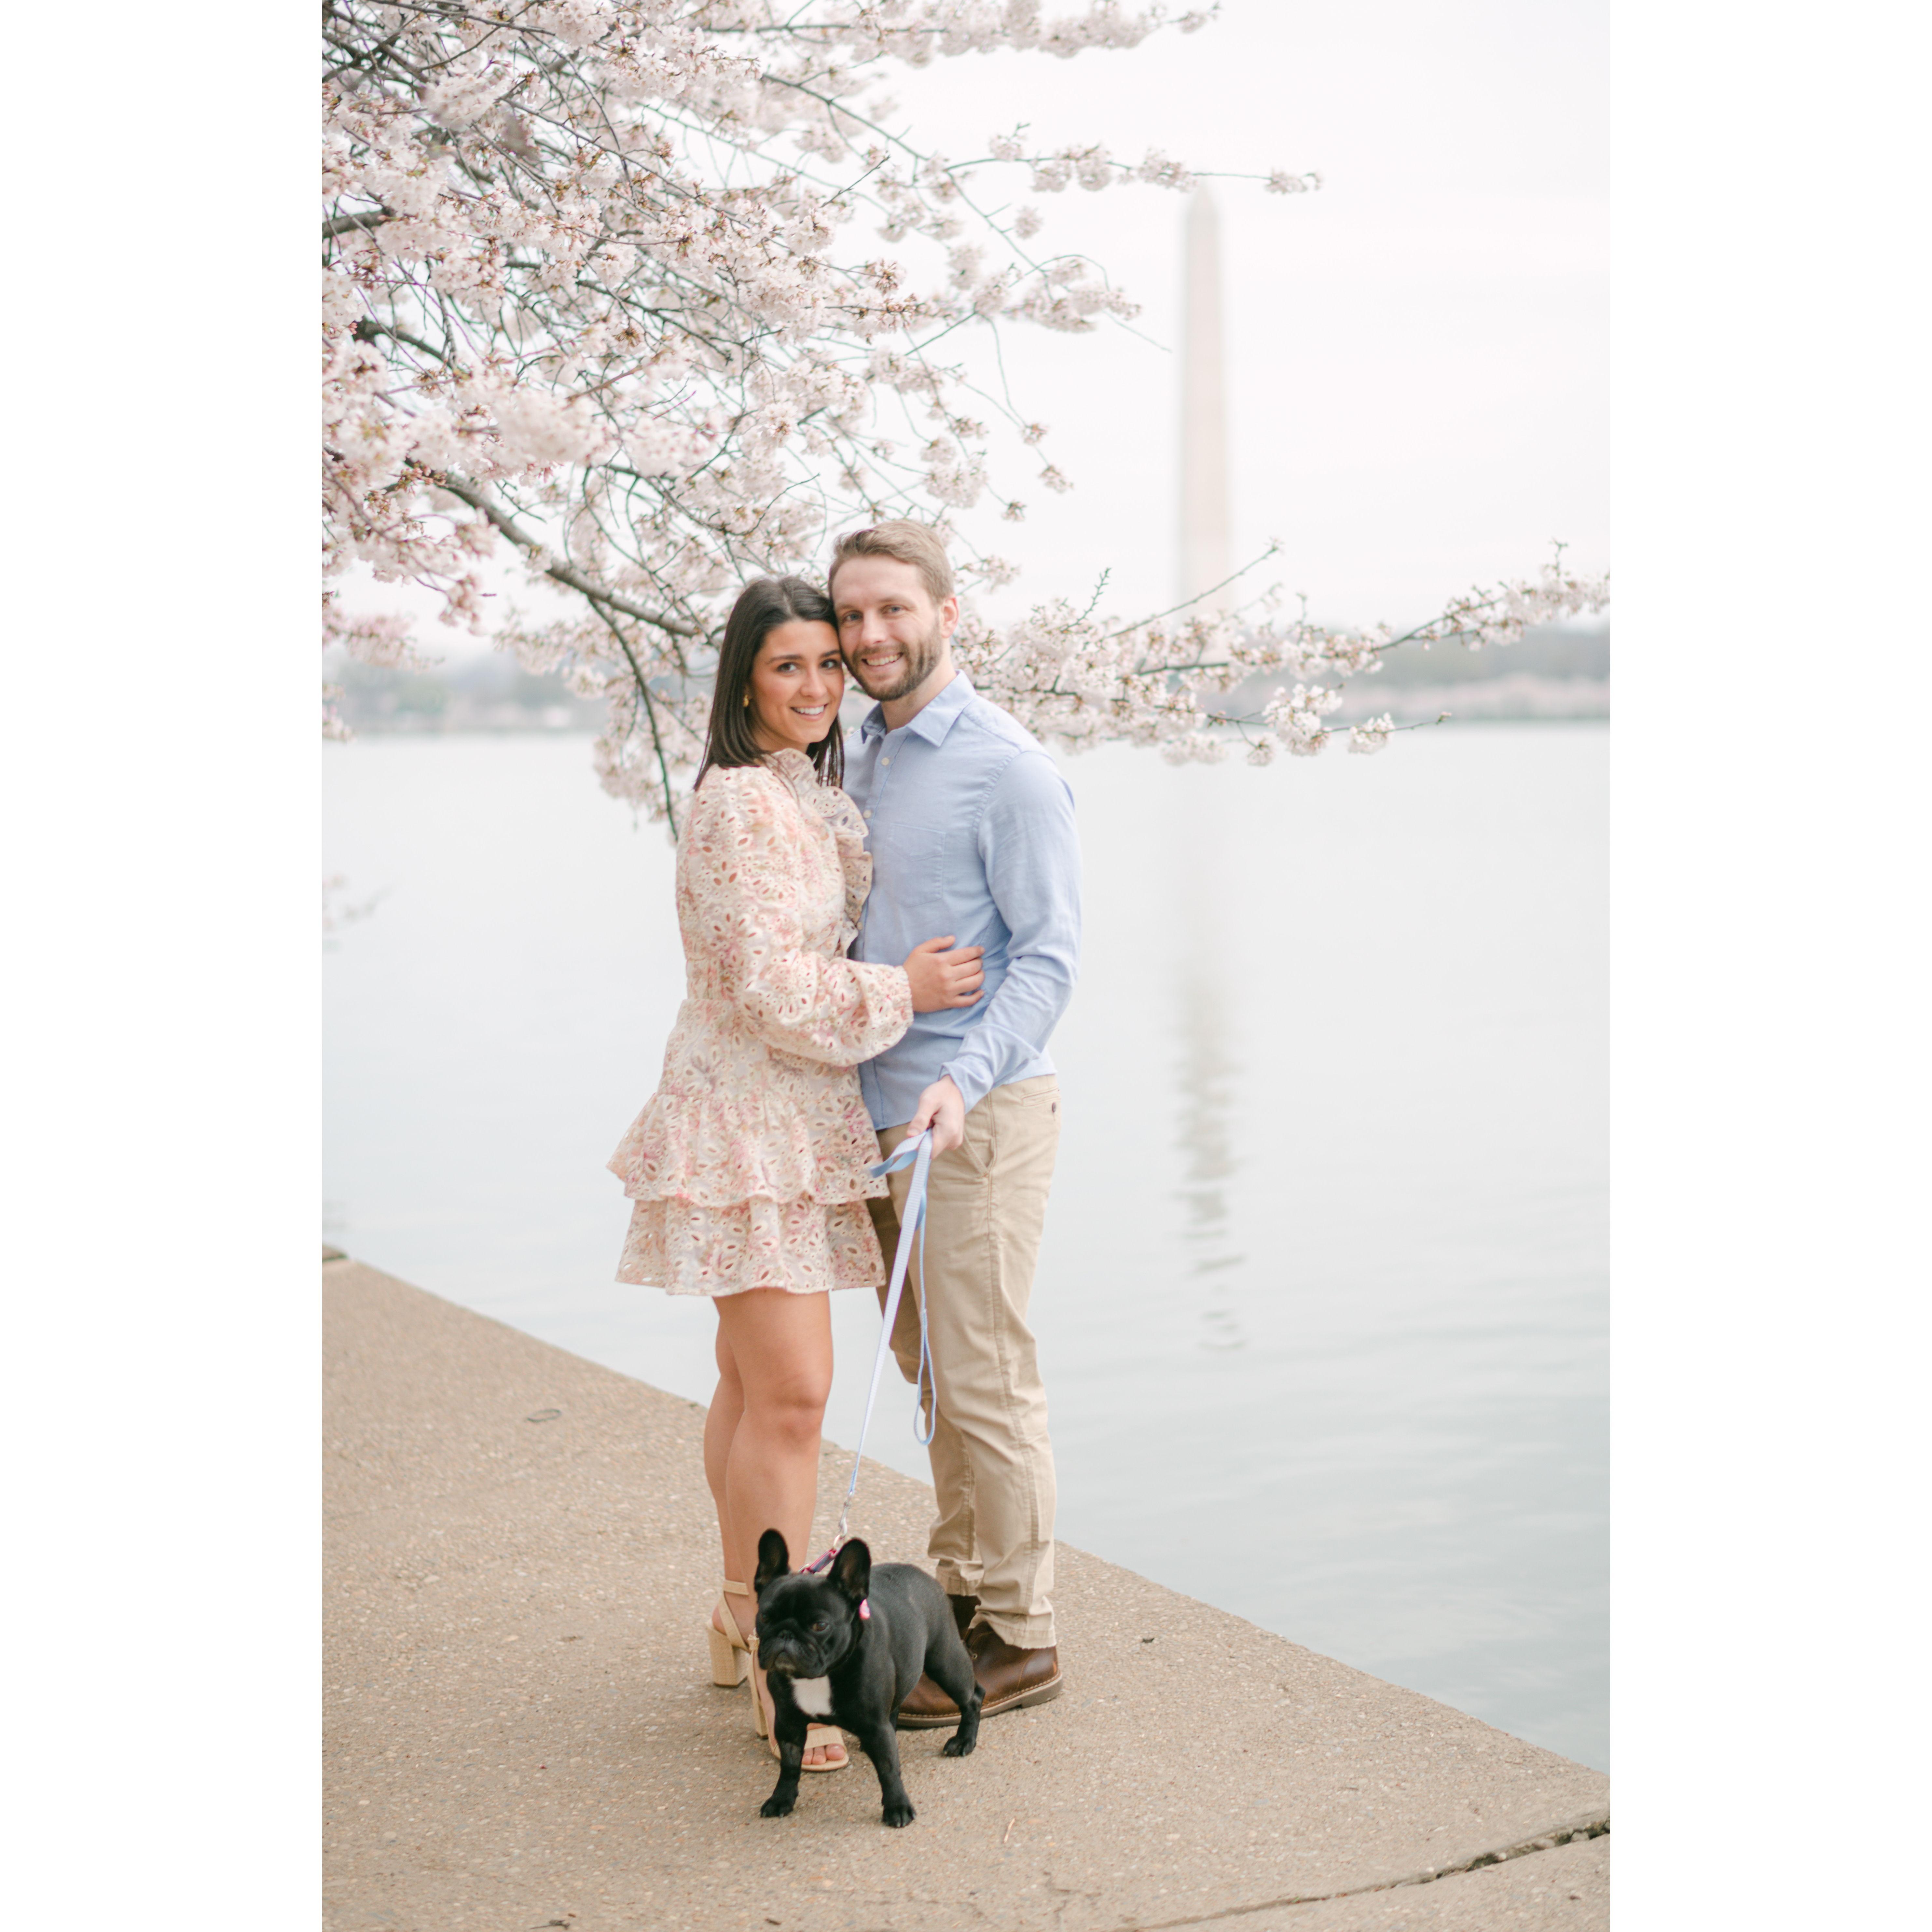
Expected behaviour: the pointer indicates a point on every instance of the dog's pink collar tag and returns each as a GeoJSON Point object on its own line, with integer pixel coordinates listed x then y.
{"type": "Point", "coordinates": [865, 1609]}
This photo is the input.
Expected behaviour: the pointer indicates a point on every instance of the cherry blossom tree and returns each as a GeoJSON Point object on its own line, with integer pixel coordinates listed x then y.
{"type": "Point", "coordinates": [604, 291]}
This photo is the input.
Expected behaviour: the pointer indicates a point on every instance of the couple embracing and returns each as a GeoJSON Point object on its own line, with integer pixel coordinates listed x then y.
{"type": "Point", "coordinates": [880, 936]}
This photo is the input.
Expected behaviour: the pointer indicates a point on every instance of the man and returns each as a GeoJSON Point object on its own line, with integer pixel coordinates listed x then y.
{"type": "Point", "coordinates": [970, 828]}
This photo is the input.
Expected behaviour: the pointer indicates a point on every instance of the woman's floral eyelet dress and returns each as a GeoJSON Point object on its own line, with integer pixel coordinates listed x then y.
{"type": "Point", "coordinates": [747, 1167]}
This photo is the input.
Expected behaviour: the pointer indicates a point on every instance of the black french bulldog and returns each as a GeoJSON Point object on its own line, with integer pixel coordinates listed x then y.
{"type": "Point", "coordinates": [847, 1647]}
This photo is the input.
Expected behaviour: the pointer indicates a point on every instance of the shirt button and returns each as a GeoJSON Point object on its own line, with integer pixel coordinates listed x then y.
{"type": "Point", "coordinates": [884, 762]}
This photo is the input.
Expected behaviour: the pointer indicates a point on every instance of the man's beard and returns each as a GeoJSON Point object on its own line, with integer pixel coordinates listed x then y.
{"type": "Point", "coordinates": [921, 654]}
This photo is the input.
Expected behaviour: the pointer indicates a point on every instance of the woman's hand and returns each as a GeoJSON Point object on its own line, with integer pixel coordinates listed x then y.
{"type": "Point", "coordinates": [942, 1107]}
{"type": "Point", "coordinates": [941, 979]}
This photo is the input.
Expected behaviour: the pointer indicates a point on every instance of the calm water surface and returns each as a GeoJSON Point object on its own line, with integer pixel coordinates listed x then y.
{"type": "Point", "coordinates": [1322, 1301]}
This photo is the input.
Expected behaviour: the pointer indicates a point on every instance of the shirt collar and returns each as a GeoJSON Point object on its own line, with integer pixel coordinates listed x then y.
{"type": "Point", "coordinates": [933, 719]}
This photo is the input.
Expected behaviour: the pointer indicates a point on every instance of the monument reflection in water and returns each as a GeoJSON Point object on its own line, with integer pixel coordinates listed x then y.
{"type": "Point", "coordinates": [1204, 1074]}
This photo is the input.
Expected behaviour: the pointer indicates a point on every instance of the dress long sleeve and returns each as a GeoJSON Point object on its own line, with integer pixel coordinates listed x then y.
{"type": "Point", "coordinates": [751, 872]}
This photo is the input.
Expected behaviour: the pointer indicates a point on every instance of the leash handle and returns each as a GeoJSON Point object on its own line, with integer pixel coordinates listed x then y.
{"type": "Point", "coordinates": [915, 1151]}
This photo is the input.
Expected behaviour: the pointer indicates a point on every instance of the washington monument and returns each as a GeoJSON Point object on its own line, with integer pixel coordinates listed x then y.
{"type": "Point", "coordinates": [1205, 548]}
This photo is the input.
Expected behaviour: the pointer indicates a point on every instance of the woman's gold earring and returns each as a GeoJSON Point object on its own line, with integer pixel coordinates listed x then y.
{"type": "Point", "coordinates": [746, 701]}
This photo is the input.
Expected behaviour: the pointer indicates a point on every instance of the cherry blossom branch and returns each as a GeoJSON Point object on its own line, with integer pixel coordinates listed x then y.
{"type": "Point", "coordinates": [1199, 597]}
{"type": "Point", "coordinates": [653, 346]}
{"type": "Point", "coordinates": [552, 567]}
{"type": "Point", "coordinates": [348, 224]}
{"type": "Point", "coordinates": [644, 684]}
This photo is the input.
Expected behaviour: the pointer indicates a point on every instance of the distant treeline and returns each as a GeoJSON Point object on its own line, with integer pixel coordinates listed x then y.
{"type": "Point", "coordinates": [492, 693]}
{"type": "Point", "coordinates": [1549, 674]}
{"type": "Point", "coordinates": [1563, 653]}
{"type": "Point", "coordinates": [1552, 673]}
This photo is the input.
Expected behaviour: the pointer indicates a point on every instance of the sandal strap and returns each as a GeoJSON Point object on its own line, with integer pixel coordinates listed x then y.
{"type": "Point", "coordinates": [734, 1630]}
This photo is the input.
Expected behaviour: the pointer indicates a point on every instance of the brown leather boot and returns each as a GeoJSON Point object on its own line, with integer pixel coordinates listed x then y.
{"type": "Point", "coordinates": [928, 1708]}
{"type": "Point", "coordinates": [1012, 1679]}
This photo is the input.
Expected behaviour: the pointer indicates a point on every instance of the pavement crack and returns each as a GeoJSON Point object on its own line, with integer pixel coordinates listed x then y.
{"type": "Point", "coordinates": [1591, 1825]}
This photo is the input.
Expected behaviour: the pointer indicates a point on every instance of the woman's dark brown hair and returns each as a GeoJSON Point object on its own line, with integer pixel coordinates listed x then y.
{"type": "Point", "coordinates": [762, 605]}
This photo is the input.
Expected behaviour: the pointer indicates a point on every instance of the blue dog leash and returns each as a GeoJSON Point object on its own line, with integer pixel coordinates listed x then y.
{"type": "Point", "coordinates": [916, 1153]}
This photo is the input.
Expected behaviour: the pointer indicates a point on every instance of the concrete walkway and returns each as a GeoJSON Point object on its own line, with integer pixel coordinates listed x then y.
{"type": "Point", "coordinates": [521, 1730]}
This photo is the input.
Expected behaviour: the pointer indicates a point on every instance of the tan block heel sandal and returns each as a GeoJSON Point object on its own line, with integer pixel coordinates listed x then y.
{"type": "Point", "coordinates": [733, 1657]}
{"type": "Point", "coordinates": [731, 1654]}
{"type": "Point", "coordinates": [818, 1737]}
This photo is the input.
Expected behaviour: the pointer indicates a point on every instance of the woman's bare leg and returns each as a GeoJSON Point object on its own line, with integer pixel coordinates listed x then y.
{"type": "Point", "coordinates": [775, 1370]}
{"type": "Point", "coordinates": [721, 1424]}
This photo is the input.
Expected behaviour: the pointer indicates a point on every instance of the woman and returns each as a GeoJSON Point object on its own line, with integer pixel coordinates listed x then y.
{"type": "Point", "coordinates": [747, 1167]}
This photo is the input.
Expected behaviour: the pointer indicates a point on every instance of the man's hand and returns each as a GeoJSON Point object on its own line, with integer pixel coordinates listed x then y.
{"type": "Point", "coordinates": [941, 979]}
{"type": "Point", "coordinates": [942, 1107]}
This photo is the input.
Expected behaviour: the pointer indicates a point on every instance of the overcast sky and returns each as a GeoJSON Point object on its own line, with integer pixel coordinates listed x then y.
{"type": "Point", "coordinates": [1417, 354]}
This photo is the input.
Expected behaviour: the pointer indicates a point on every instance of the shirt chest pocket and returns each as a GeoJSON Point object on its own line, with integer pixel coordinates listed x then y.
{"type": "Point", "coordinates": [914, 856]}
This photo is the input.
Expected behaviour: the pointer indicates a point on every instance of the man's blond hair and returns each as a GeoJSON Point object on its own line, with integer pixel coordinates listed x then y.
{"type": "Point", "coordinates": [919, 545]}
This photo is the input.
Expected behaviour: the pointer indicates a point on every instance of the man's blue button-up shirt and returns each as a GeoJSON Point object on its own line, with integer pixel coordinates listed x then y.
{"type": "Point", "coordinates": [970, 828]}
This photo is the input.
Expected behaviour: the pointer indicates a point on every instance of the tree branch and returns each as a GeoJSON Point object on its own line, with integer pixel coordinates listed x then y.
{"type": "Point", "coordinates": [650, 712]}
{"type": "Point", "coordinates": [347, 224]}
{"type": "Point", "coordinates": [565, 574]}
{"type": "Point", "coordinates": [368, 328]}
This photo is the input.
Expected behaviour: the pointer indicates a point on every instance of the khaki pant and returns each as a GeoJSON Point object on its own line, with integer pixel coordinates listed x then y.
{"type": "Point", "coordinates": [992, 1463]}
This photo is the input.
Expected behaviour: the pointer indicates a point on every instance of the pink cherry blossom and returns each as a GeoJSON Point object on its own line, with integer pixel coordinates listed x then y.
{"type": "Point", "coordinates": [612, 286]}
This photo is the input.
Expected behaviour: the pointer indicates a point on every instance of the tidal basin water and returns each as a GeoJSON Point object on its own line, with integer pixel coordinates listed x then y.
{"type": "Point", "coordinates": [1322, 1300]}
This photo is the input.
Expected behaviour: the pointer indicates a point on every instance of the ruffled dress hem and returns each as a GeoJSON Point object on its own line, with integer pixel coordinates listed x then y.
{"type": "Point", "coordinates": [804, 1247]}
